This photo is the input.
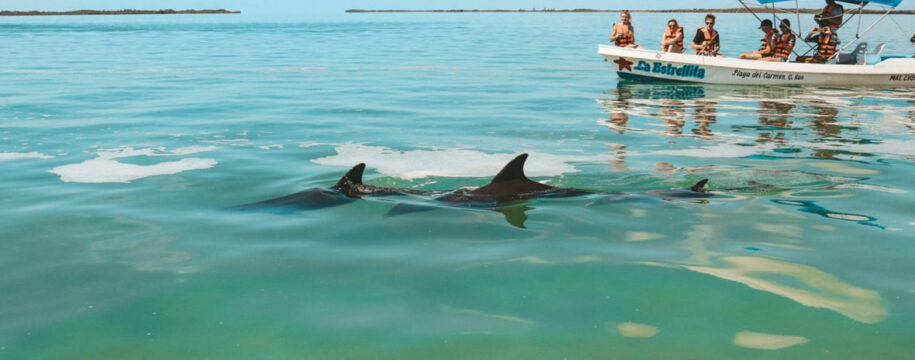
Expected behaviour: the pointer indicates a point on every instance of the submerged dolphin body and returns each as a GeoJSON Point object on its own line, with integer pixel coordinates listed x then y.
{"type": "Point", "coordinates": [347, 189]}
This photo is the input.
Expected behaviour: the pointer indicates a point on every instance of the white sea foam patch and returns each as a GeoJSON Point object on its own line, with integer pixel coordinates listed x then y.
{"type": "Point", "coordinates": [106, 169]}
{"type": "Point", "coordinates": [635, 330]}
{"type": "Point", "coordinates": [762, 341]}
{"type": "Point", "coordinates": [309, 144]}
{"type": "Point", "coordinates": [415, 164]}
{"type": "Point", "coordinates": [18, 156]}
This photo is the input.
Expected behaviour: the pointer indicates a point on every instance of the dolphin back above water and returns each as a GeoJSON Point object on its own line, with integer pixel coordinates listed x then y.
{"type": "Point", "coordinates": [347, 189]}
{"type": "Point", "coordinates": [510, 185]}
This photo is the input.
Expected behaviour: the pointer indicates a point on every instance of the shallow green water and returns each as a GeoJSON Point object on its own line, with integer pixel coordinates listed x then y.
{"type": "Point", "coordinates": [123, 140]}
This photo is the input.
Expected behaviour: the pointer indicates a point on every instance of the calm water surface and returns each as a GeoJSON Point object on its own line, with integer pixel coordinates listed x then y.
{"type": "Point", "coordinates": [124, 139]}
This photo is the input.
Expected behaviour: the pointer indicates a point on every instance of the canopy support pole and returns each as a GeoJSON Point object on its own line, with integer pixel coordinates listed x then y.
{"type": "Point", "coordinates": [750, 10]}
{"type": "Point", "coordinates": [887, 13]}
{"type": "Point", "coordinates": [904, 33]}
{"type": "Point", "coordinates": [777, 20]}
{"type": "Point", "coordinates": [774, 17]}
{"type": "Point", "coordinates": [854, 12]}
{"type": "Point", "coordinates": [796, 34]}
{"type": "Point", "coordinates": [797, 7]}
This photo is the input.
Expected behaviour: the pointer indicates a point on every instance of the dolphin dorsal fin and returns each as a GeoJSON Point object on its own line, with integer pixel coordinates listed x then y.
{"type": "Point", "coordinates": [701, 186]}
{"type": "Point", "coordinates": [352, 177]}
{"type": "Point", "coordinates": [513, 171]}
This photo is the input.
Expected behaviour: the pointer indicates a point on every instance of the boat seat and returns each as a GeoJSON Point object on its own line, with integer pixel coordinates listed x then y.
{"type": "Point", "coordinates": [875, 56]}
{"type": "Point", "coordinates": [878, 49]}
{"type": "Point", "coordinates": [856, 57]}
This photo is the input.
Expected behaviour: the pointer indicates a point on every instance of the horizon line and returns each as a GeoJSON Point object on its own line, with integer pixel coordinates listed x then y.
{"type": "Point", "coordinates": [588, 10]}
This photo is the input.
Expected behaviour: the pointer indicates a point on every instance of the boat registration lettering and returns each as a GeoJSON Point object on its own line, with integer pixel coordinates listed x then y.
{"type": "Point", "coordinates": [691, 71]}
{"type": "Point", "coordinates": [766, 75]}
{"type": "Point", "coordinates": [909, 77]}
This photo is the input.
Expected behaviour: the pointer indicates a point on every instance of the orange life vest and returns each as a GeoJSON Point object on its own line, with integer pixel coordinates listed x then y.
{"type": "Point", "coordinates": [827, 11]}
{"type": "Point", "coordinates": [784, 45]}
{"type": "Point", "coordinates": [670, 35]}
{"type": "Point", "coordinates": [711, 42]}
{"type": "Point", "coordinates": [768, 39]}
{"type": "Point", "coordinates": [827, 44]}
{"type": "Point", "coordinates": [625, 38]}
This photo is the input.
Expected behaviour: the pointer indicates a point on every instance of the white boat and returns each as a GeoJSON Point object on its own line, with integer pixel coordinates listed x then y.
{"type": "Point", "coordinates": [865, 68]}
{"type": "Point", "coordinates": [651, 65]}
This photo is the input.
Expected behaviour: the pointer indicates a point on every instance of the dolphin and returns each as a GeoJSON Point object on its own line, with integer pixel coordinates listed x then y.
{"type": "Point", "coordinates": [347, 189]}
{"type": "Point", "coordinates": [507, 192]}
{"type": "Point", "coordinates": [510, 185]}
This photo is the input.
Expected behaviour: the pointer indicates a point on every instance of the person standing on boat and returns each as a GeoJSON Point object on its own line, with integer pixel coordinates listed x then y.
{"type": "Point", "coordinates": [767, 49]}
{"type": "Point", "coordinates": [784, 44]}
{"type": "Point", "coordinates": [623, 34]}
{"type": "Point", "coordinates": [673, 37]}
{"type": "Point", "coordinates": [832, 14]}
{"type": "Point", "coordinates": [827, 43]}
{"type": "Point", "coordinates": [706, 42]}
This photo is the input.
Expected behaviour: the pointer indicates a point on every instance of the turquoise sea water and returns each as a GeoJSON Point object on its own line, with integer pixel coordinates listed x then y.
{"type": "Point", "coordinates": [124, 139]}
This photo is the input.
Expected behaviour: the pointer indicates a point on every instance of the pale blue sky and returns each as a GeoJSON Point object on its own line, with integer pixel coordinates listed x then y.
{"type": "Point", "coordinates": [289, 7]}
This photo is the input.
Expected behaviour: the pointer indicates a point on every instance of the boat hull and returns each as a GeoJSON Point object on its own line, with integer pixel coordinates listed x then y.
{"type": "Point", "coordinates": [649, 65]}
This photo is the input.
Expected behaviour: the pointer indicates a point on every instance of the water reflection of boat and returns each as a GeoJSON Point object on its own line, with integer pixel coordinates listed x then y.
{"type": "Point", "coordinates": [825, 124]}
{"type": "Point", "coordinates": [706, 115]}
{"type": "Point", "coordinates": [910, 122]}
{"type": "Point", "coordinates": [659, 91]}
{"type": "Point", "coordinates": [774, 116]}
{"type": "Point", "coordinates": [822, 123]}
{"type": "Point", "coordinates": [678, 105]}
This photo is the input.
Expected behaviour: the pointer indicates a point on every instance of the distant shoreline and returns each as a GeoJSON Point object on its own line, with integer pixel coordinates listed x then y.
{"type": "Point", "coordinates": [703, 11]}
{"type": "Point", "coordinates": [117, 12]}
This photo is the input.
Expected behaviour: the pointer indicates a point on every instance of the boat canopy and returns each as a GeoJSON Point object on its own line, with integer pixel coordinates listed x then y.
{"type": "Point", "coordinates": [893, 3]}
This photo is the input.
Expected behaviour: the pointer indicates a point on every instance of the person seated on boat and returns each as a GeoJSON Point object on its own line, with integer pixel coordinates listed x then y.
{"type": "Point", "coordinates": [784, 44]}
{"type": "Point", "coordinates": [673, 37]}
{"type": "Point", "coordinates": [623, 34]}
{"type": "Point", "coordinates": [706, 42]}
{"type": "Point", "coordinates": [912, 40]}
{"type": "Point", "coordinates": [767, 49]}
{"type": "Point", "coordinates": [827, 43]}
{"type": "Point", "coordinates": [832, 14]}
